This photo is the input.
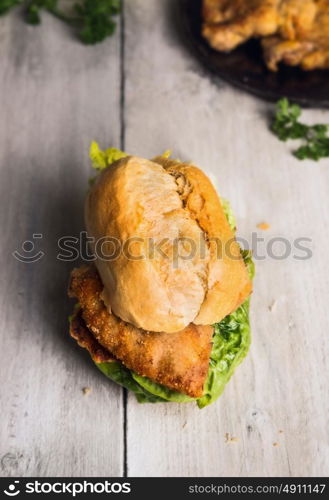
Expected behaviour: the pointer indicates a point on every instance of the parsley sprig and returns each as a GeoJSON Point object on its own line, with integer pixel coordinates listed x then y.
{"type": "Point", "coordinates": [93, 19]}
{"type": "Point", "coordinates": [286, 125]}
{"type": "Point", "coordinates": [6, 5]}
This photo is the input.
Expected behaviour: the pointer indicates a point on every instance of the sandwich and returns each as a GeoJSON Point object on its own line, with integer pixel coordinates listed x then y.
{"type": "Point", "coordinates": [163, 309]}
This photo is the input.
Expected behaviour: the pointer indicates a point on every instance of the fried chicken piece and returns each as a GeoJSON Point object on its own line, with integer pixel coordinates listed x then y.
{"type": "Point", "coordinates": [295, 32]}
{"type": "Point", "coordinates": [307, 44]}
{"type": "Point", "coordinates": [228, 23]}
{"type": "Point", "coordinates": [179, 360]}
{"type": "Point", "coordinates": [296, 17]}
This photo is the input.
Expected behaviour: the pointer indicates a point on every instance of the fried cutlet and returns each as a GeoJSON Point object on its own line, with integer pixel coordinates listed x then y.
{"type": "Point", "coordinates": [179, 360]}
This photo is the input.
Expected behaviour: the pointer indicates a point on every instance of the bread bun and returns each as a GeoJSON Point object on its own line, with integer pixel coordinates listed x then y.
{"type": "Point", "coordinates": [163, 221]}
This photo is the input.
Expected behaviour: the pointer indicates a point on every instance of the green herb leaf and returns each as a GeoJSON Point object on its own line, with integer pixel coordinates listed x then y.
{"type": "Point", "coordinates": [34, 8]}
{"type": "Point", "coordinates": [96, 19]}
{"type": "Point", "coordinates": [287, 126]}
{"type": "Point", "coordinates": [6, 5]}
{"type": "Point", "coordinates": [93, 19]}
{"type": "Point", "coordinates": [33, 14]}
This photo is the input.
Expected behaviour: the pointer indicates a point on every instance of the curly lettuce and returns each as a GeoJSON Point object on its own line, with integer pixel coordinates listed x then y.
{"type": "Point", "coordinates": [231, 342]}
{"type": "Point", "coordinates": [102, 159]}
{"type": "Point", "coordinates": [231, 338]}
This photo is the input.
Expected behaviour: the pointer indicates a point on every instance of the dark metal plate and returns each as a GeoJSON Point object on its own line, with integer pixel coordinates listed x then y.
{"type": "Point", "coordinates": [244, 67]}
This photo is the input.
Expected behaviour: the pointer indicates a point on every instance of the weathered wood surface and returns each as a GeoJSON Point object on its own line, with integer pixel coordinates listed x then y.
{"type": "Point", "coordinates": [55, 96]}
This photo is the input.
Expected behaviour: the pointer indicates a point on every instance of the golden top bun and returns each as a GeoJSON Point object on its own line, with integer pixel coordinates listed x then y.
{"type": "Point", "coordinates": [160, 231]}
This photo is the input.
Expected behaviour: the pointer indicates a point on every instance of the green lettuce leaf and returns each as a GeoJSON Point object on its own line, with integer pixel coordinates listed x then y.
{"type": "Point", "coordinates": [122, 376]}
{"type": "Point", "coordinates": [231, 342]}
{"type": "Point", "coordinates": [160, 390]}
{"type": "Point", "coordinates": [102, 159]}
{"type": "Point", "coordinates": [229, 214]}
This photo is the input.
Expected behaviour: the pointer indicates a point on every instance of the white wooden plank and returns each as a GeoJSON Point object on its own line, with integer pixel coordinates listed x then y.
{"type": "Point", "coordinates": [282, 386]}
{"type": "Point", "coordinates": [55, 96]}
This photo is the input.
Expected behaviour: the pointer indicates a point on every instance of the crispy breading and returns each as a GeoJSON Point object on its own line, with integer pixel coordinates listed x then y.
{"type": "Point", "coordinates": [295, 32]}
{"type": "Point", "coordinates": [228, 23]}
{"type": "Point", "coordinates": [307, 45]}
{"type": "Point", "coordinates": [85, 339]}
{"type": "Point", "coordinates": [179, 360]}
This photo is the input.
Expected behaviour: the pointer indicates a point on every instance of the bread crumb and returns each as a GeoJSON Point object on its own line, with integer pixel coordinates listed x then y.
{"type": "Point", "coordinates": [86, 391]}
{"type": "Point", "coordinates": [272, 306]}
{"type": "Point", "coordinates": [280, 431]}
{"type": "Point", "coordinates": [264, 226]}
{"type": "Point", "coordinates": [275, 444]}
{"type": "Point", "coordinates": [184, 425]}
{"type": "Point", "coordinates": [230, 439]}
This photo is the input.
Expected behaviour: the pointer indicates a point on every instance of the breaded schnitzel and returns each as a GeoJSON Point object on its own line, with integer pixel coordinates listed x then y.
{"type": "Point", "coordinates": [179, 360]}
